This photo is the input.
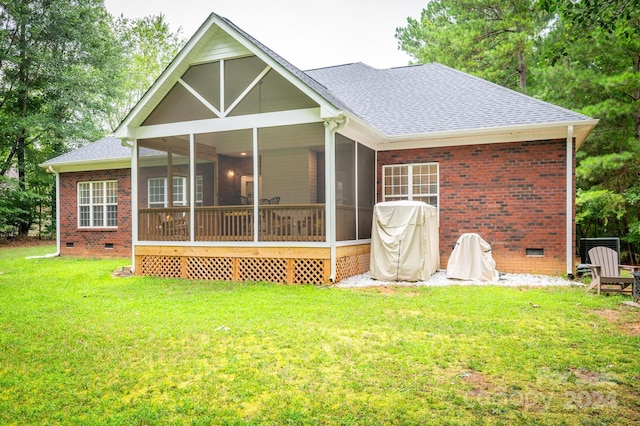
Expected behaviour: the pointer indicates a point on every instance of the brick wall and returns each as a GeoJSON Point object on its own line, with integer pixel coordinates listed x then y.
{"type": "Point", "coordinates": [92, 242]}
{"type": "Point", "coordinates": [512, 194]}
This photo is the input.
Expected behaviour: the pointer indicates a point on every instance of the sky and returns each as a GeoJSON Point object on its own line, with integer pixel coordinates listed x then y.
{"type": "Point", "coordinates": [308, 33]}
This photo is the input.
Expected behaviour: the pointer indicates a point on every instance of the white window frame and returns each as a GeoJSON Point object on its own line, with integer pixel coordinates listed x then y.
{"type": "Point", "coordinates": [409, 192]}
{"type": "Point", "coordinates": [102, 208]}
{"type": "Point", "coordinates": [184, 201]}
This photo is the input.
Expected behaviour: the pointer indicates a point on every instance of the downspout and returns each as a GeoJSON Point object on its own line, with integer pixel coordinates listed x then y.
{"type": "Point", "coordinates": [57, 253]}
{"type": "Point", "coordinates": [569, 208]}
{"type": "Point", "coordinates": [332, 126]}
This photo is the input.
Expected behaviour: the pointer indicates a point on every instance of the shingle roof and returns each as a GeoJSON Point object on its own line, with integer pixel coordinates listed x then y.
{"type": "Point", "coordinates": [404, 101]}
{"type": "Point", "coordinates": [105, 149]}
{"type": "Point", "coordinates": [430, 98]}
{"type": "Point", "coordinates": [108, 148]}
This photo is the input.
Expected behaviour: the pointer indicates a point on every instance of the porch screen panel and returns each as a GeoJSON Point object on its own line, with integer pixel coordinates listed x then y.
{"type": "Point", "coordinates": [223, 185]}
{"type": "Point", "coordinates": [291, 187]}
{"type": "Point", "coordinates": [345, 181]}
{"type": "Point", "coordinates": [178, 105]}
{"type": "Point", "coordinates": [271, 93]}
{"type": "Point", "coordinates": [366, 190]}
{"type": "Point", "coordinates": [163, 189]}
{"type": "Point", "coordinates": [205, 80]}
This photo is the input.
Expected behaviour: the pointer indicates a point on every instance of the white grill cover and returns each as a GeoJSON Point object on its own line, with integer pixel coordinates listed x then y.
{"type": "Point", "coordinates": [404, 241]}
{"type": "Point", "coordinates": [471, 260]}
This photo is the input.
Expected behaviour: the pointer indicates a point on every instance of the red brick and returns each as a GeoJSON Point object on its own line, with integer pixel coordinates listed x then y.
{"type": "Point", "coordinates": [512, 194]}
{"type": "Point", "coordinates": [90, 242]}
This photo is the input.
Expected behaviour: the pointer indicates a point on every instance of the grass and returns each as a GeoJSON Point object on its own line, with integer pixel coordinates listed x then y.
{"type": "Point", "coordinates": [78, 346]}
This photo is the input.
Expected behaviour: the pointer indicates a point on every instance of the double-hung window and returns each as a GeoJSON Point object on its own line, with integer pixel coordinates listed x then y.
{"type": "Point", "coordinates": [417, 182]}
{"type": "Point", "coordinates": [98, 204]}
{"type": "Point", "coordinates": [158, 191]}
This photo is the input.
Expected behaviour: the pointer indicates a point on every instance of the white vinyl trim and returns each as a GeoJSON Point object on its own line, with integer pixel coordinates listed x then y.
{"type": "Point", "coordinates": [569, 218]}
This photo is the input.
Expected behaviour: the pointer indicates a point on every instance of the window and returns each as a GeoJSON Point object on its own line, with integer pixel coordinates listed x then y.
{"type": "Point", "coordinates": [158, 191]}
{"type": "Point", "coordinates": [98, 204]}
{"type": "Point", "coordinates": [417, 182]}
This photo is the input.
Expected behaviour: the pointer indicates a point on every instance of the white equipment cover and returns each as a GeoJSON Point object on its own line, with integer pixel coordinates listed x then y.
{"type": "Point", "coordinates": [471, 260]}
{"type": "Point", "coordinates": [404, 241]}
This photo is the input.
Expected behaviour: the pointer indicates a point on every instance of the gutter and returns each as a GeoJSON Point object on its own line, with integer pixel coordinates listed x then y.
{"type": "Point", "coordinates": [57, 253]}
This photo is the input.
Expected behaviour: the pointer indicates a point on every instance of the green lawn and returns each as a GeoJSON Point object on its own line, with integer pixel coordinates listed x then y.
{"type": "Point", "coordinates": [79, 346]}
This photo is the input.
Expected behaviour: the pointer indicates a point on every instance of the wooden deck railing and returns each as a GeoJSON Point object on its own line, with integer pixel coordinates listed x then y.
{"type": "Point", "coordinates": [281, 222]}
{"type": "Point", "coordinates": [163, 224]}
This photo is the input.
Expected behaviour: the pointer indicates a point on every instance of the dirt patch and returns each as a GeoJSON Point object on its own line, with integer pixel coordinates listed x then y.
{"type": "Point", "coordinates": [480, 386]}
{"type": "Point", "coordinates": [627, 319]}
{"type": "Point", "coordinates": [123, 272]}
{"type": "Point", "coordinates": [389, 290]}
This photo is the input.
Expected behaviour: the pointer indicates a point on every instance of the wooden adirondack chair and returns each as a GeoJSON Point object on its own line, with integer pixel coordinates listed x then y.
{"type": "Point", "coordinates": [605, 270]}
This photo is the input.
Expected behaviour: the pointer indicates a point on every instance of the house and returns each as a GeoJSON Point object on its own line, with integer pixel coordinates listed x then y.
{"type": "Point", "coordinates": [236, 165]}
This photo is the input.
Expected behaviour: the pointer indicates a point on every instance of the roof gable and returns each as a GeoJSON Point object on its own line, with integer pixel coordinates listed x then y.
{"type": "Point", "coordinates": [218, 39]}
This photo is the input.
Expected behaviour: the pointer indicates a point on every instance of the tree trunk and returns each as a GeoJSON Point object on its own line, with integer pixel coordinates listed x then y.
{"type": "Point", "coordinates": [22, 134]}
{"type": "Point", "coordinates": [522, 72]}
{"type": "Point", "coordinates": [636, 97]}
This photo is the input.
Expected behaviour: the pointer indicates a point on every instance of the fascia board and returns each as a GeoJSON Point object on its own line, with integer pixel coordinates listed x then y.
{"type": "Point", "coordinates": [122, 130]}
{"type": "Point", "coordinates": [359, 130]}
{"type": "Point", "coordinates": [490, 135]}
{"type": "Point", "coordinates": [83, 166]}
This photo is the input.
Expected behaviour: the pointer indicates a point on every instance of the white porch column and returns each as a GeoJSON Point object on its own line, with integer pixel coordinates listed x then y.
{"type": "Point", "coordinates": [256, 185]}
{"type": "Point", "coordinates": [569, 208]}
{"type": "Point", "coordinates": [331, 126]}
{"type": "Point", "coordinates": [192, 187]}
{"type": "Point", "coordinates": [134, 202]}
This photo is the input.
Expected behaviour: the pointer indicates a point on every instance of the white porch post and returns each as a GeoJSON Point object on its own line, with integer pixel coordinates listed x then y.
{"type": "Point", "coordinates": [331, 126]}
{"type": "Point", "coordinates": [256, 185]}
{"type": "Point", "coordinates": [192, 187]}
{"type": "Point", "coordinates": [569, 208]}
{"type": "Point", "coordinates": [330, 192]}
{"type": "Point", "coordinates": [134, 202]}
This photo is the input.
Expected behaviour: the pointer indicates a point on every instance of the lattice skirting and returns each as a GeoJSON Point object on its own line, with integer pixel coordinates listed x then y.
{"type": "Point", "coordinates": [293, 271]}
{"type": "Point", "coordinates": [348, 266]}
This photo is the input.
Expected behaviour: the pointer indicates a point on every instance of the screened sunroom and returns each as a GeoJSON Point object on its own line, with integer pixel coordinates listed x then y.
{"type": "Point", "coordinates": [235, 155]}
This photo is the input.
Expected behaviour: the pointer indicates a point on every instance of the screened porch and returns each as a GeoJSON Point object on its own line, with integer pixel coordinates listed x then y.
{"type": "Point", "coordinates": [223, 187]}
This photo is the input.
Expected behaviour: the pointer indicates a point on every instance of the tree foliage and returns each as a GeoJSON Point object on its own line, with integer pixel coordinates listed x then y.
{"type": "Point", "coordinates": [148, 46]}
{"type": "Point", "coordinates": [493, 39]}
{"type": "Point", "coordinates": [56, 58]}
{"type": "Point", "coordinates": [68, 73]}
{"type": "Point", "coordinates": [583, 55]}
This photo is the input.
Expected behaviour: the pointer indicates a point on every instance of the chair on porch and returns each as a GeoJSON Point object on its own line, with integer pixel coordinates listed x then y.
{"type": "Point", "coordinates": [605, 270]}
{"type": "Point", "coordinates": [274, 200]}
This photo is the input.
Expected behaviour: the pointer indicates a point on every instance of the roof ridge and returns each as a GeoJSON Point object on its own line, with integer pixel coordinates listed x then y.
{"type": "Point", "coordinates": [341, 65]}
